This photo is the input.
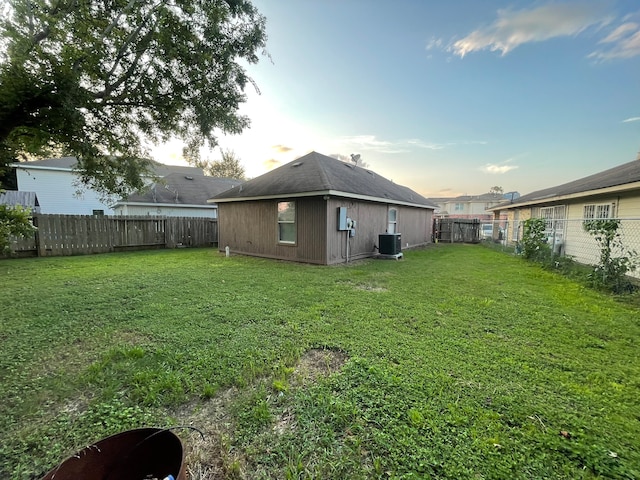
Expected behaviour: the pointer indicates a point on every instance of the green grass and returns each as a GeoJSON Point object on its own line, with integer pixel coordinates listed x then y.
{"type": "Point", "coordinates": [463, 362]}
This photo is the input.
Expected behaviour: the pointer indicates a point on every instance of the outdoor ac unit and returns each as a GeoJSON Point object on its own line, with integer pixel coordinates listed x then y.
{"type": "Point", "coordinates": [389, 244]}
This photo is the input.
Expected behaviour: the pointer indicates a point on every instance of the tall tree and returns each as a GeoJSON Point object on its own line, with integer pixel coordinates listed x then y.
{"type": "Point", "coordinates": [228, 166]}
{"type": "Point", "coordinates": [497, 190]}
{"type": "Point", "coordinates": [105, 79]}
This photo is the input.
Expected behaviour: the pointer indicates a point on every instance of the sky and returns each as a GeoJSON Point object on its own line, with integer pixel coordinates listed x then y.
{"type": "Point", "coordinates": [447, 98]}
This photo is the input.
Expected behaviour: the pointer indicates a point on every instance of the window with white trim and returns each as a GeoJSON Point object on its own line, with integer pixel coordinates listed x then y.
{"type": "Point", "coordinates": [287, 222]}
{"type": "Point", "coordinates": [554, 219]}
{"type": "Point", "coordinates": [458, 207]}
{"type": "Point", "coordinates": [393, 221]}
{"type": "Point", "coordinates": [597, 211]}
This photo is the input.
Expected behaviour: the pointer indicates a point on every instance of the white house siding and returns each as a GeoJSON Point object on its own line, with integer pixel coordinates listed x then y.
{"type": "Point", "coordinates": [575, 237]}
{"type": "Point", "coordinates": [57, 192]}
{"type": "Point", "coordinates": [167, 211]}
{"type": "Point", "coordinates": [629, 205]}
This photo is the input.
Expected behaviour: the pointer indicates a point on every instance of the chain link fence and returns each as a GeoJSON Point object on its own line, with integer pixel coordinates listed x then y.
{"type": "Point", "coordinates": [570, 238]}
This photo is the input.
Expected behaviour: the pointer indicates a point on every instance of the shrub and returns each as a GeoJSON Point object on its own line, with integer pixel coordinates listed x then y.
{"type": "Point", "coordinates": [533, 245]}
{"type": "Point", "coordinates": [611, 271]}
{"type": "Point", "coordinates": [14, 222]}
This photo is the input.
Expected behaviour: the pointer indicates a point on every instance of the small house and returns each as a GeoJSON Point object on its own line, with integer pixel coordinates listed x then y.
{"type": "Point", "coordinates": [176, 195]}
{"type": "Point", "coordinates": [57, 185]}
{"type": "Point", "coordinates": [317, 209]}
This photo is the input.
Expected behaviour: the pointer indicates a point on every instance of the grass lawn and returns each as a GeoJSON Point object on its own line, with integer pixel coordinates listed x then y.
{"type": "Point", "coordinates": [456, 362]}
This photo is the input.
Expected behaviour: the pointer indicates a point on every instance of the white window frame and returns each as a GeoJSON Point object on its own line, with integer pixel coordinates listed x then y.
{"type": "Point", "coordinates": [392, 224]}
{"type": "Point", "coordinates": [554, 219]}
{"type": "Point", "coordinates": [597, 211]}
{"type": "Point", "coordinates": [282, 207]}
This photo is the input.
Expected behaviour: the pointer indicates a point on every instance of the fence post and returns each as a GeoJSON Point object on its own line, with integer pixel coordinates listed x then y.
{"type": "Point", "coordinates": [40, 249]}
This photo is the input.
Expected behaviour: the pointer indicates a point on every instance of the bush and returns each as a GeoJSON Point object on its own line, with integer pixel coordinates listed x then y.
{"type": "Point", "coordinates": [14, 222]}
{"type": "Point", "coordinates": [533, 245]}
{"type": "Point", "coordinates": [611, 271]}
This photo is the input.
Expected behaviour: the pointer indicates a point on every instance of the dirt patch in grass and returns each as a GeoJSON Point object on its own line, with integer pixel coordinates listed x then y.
{"type": "Point", "coordinates": [317, 362]}
{"type": "Point", "coordinates": [209, 450]}
{"type": "Point", "coordinates": [370, 288]}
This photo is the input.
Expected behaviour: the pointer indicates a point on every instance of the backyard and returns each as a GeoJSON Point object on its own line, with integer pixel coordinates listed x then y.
{"type": "Point", "coordinates": [458, 361]}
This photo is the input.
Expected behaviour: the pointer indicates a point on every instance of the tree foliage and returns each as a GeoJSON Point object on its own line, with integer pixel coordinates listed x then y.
{"type": "Point", "coordinates": [104, 79]}
{"type": "Point", "coordinates": [228, 166]}
{"type": "Point", "coordinates": [14, 222]}
{"type": "Point", "coordinates": [496, 190]}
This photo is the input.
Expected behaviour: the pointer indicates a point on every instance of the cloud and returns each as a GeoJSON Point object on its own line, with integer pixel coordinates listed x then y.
{"type": "Point", "coordinates": [631, 119]}
{"type": "Point", "coordinates": [427, 145]}
{"type": "Point", "coordinates": [370, 142]}
{"type": "Point", "coordinates": [622, 42]}
{"type": "Point", "coordinates": [359, 143]}
{"type": "Point", "coordinates": [271, 163]}
{"type": "Point", "coordinates": [347, 159]}
{"type": "Point", "coordinates": [434, 43]}
{"type": "Point", "coordinates": [497, 169]}
{"type": "Point", "coordinates": [620, 32]}
{"type": "Point", "coordinates": [514, 28]}
{"type": "Point", "coordinates": [281, 148]}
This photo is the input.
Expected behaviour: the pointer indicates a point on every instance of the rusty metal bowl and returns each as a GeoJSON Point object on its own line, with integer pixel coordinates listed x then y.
{"type": "Point", "coordinates": [144, 453]}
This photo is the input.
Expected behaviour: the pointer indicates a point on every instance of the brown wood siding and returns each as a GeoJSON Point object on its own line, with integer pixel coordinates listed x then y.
{"type": "Point", "coordinates": [251, 228]}
{"type": "Point", "coordinates": [414, 224]}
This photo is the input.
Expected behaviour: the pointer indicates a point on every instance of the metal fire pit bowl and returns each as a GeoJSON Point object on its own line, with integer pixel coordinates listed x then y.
{"type": "Point", "coordinates": [144, 453]}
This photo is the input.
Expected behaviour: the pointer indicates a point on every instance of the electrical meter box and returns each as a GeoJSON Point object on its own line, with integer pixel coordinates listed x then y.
{"type": "Point", "coordinates": [342, 218]}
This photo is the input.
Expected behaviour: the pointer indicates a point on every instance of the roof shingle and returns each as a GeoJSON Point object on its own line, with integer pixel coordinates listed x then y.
{"type": "Point", "coordinates": [320, 174]}
{"type": "Point", "coordinates": [616, 176]}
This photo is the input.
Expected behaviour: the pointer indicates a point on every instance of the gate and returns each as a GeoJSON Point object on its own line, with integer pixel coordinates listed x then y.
{"type": "Point", "coordinates": [456, 230]}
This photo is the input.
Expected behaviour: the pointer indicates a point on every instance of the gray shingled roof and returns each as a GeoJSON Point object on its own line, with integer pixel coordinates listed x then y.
{"type": "Point", "coordinates": [620, 175]}
{"type": "Point", "coordinates": [24, 199]}
{"type": "Point", "coordinates": [315, 173]}
{"type": "Point", "coordinates": [160, 169]}
{"type": "Point", "coordinates": [484, 197]}
{"type": "Point", "coordinates": [180, 189]}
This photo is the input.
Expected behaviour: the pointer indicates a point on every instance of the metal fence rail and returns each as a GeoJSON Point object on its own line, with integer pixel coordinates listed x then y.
{"type": "Point", "coordinates": [570, 238]}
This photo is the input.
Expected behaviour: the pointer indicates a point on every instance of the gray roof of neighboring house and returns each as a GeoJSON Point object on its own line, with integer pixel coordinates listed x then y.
{"type": "Point", "coordinates": [24, 199]}
{"type": "Point", "coordinates": [484, 197]}
{"type": "Point", "coordinates": [616, 176]}
{"type": "Point", "coordinates": [160, 169]}
{"type": "Point", "coordinates": [180, 189]}
{"type": "Point", "coordinates": [317, 174]}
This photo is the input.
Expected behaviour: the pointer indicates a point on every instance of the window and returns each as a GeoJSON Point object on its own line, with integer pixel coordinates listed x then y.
{"type": "Point", "coordinates": [393, 221]}
{"type": "Point", "coordinates": [98, 212]}
{"type": "Point", "coordinates": [458, 207]}
{"type": "Point", "coordinates": [287, 222]}
{"type": "Point", "coordinates": [597, 212]}
{"type": "Point", "coordinates": [554, 219]}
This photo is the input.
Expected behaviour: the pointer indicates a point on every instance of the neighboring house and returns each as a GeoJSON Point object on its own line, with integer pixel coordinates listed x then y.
{"type": "Point", "coordinates": [468, 206]}
{"type": "Point", "coordinates": [177, 195]}
{"type": "Point", "coordinates": [613, 193]}
{"type": "Point", "coordinates": [299, 211]}
{"type": "Point", "coordinates": [24, 199]}
{"type": "Point", "coordinates": [59, 191]}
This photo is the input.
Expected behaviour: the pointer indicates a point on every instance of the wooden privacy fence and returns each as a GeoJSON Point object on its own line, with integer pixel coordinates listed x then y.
{"type": "Point", "coordinates": [60, 235]}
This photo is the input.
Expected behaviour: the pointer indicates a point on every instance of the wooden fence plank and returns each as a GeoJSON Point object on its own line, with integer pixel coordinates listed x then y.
{"type": "Point", "coordinates": [59, 235]}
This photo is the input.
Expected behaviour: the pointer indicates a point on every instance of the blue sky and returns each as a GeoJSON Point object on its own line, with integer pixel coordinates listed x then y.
{"type": "Point", "coordinates": [450, 97]}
